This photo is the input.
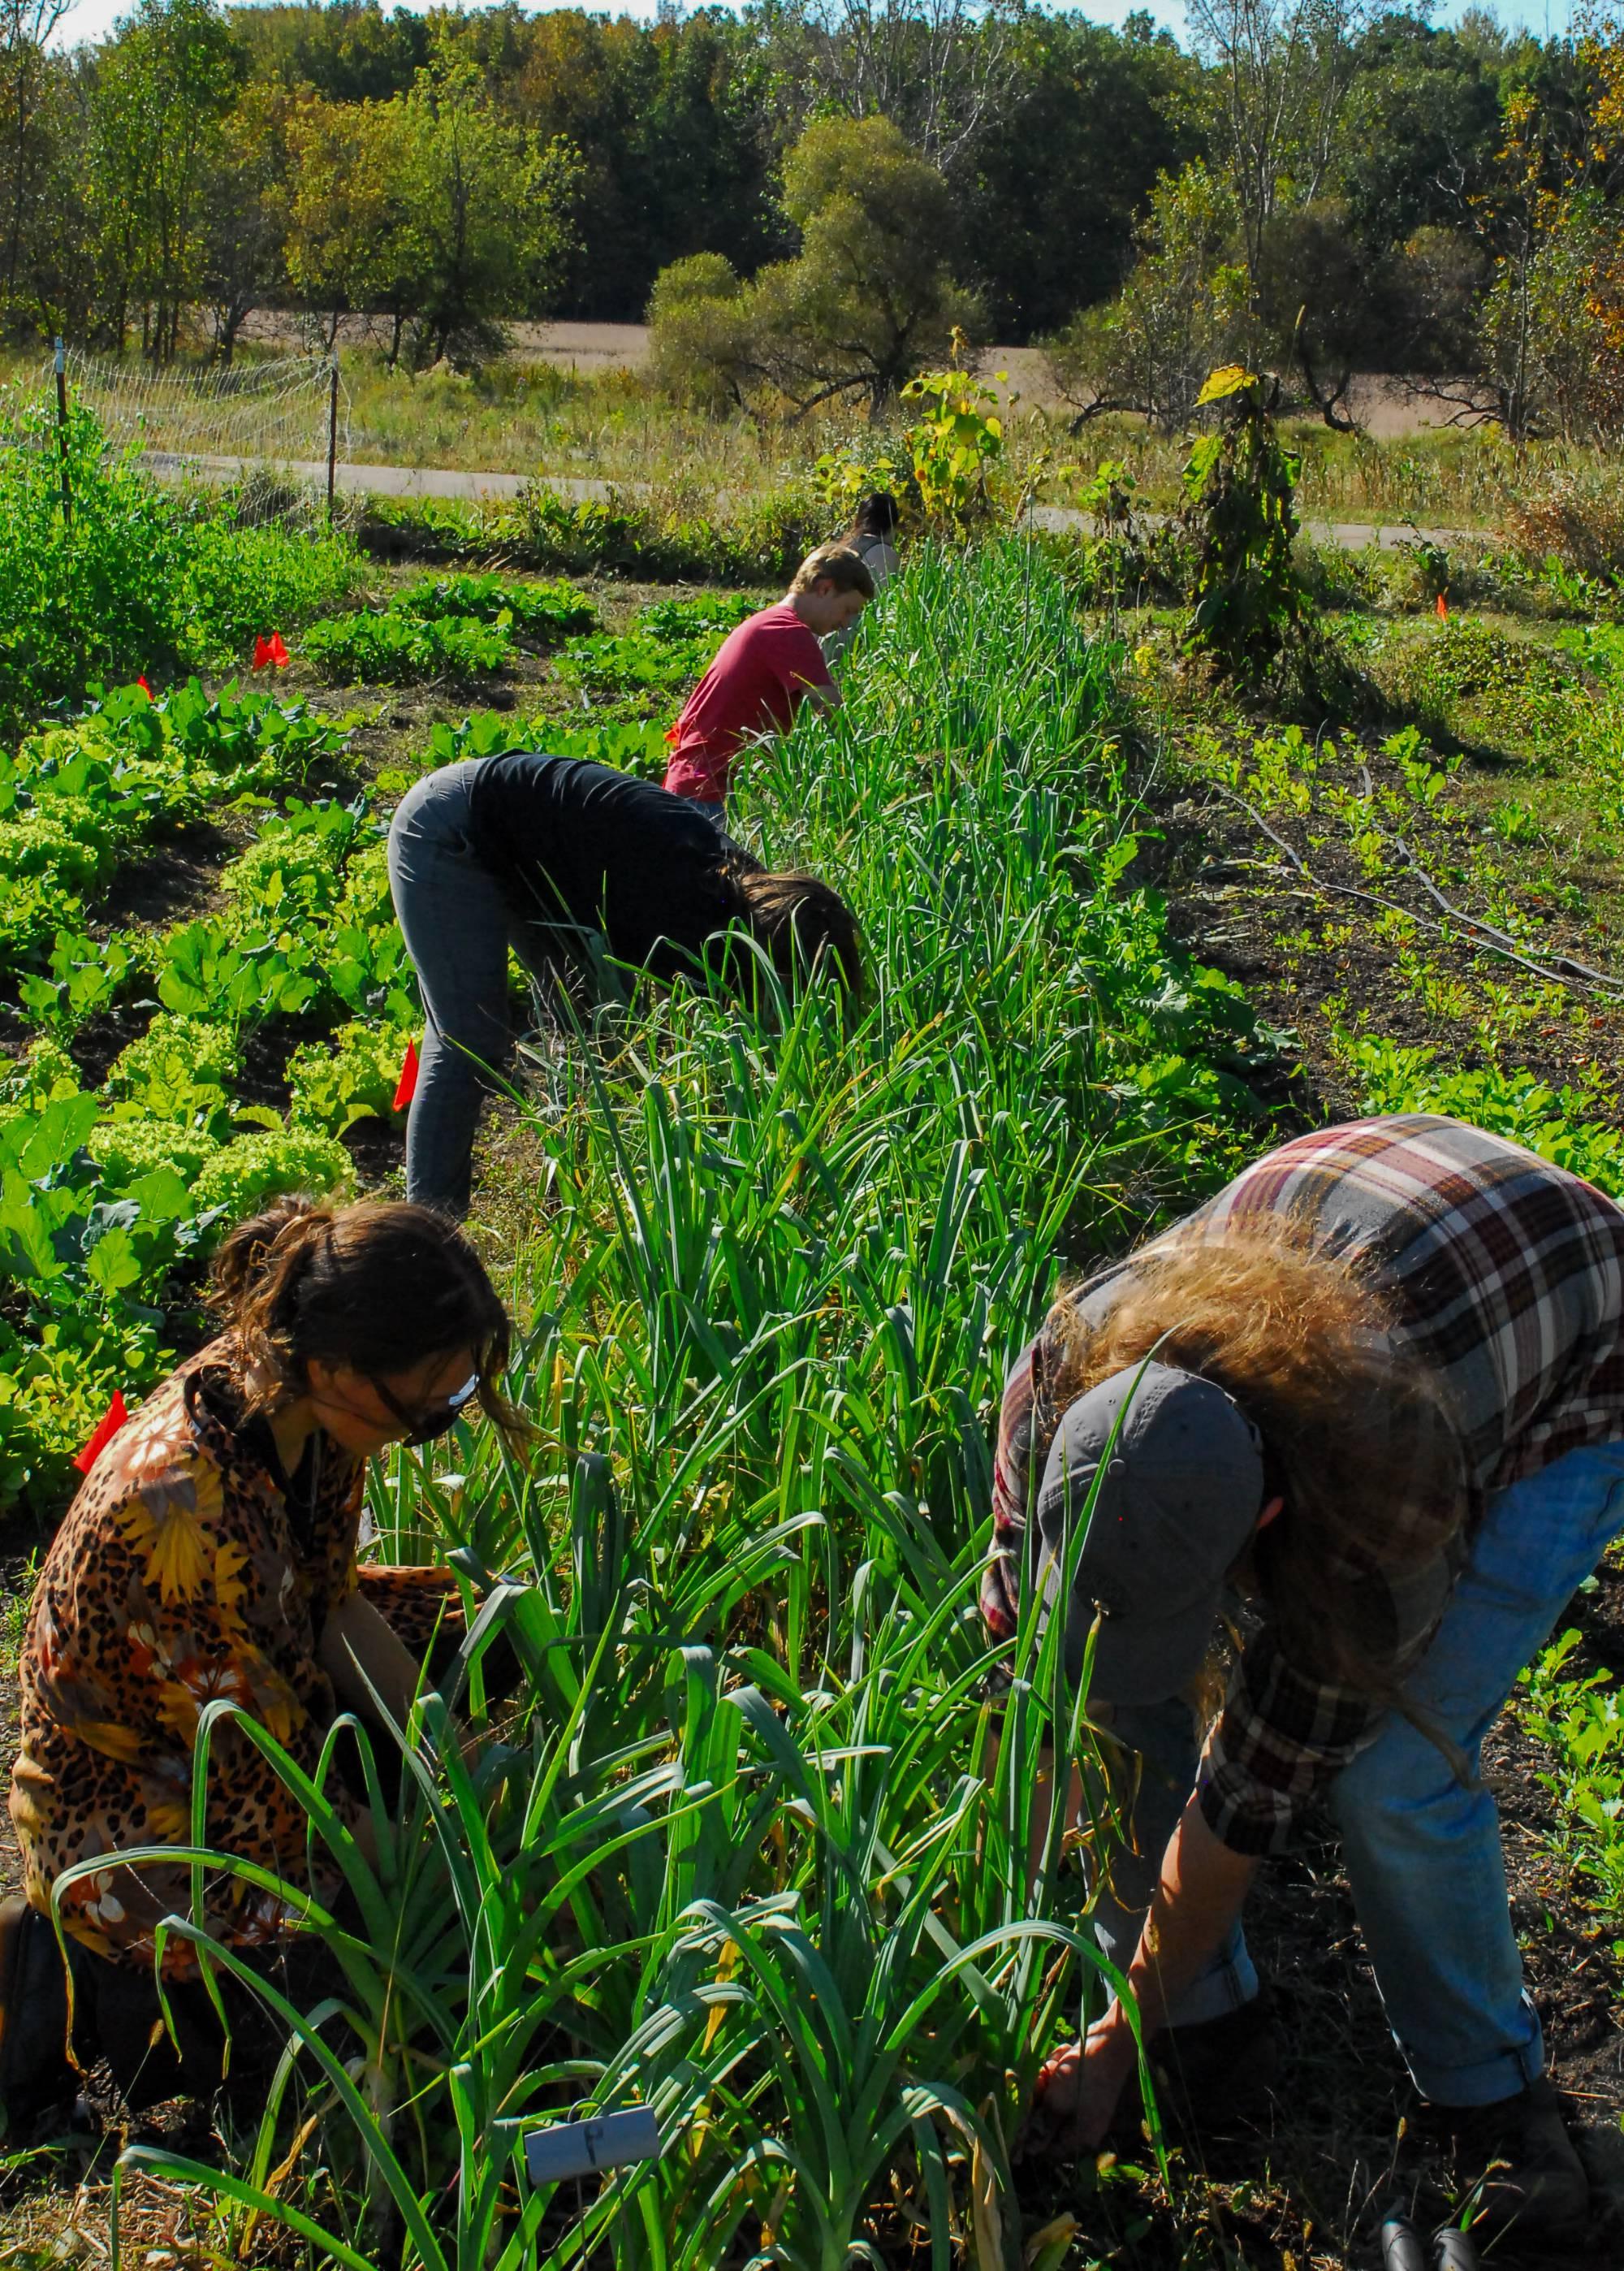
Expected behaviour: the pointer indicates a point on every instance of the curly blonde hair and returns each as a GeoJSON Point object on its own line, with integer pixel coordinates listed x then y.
{"type": "Point", "coordinates": [1358, 1438]}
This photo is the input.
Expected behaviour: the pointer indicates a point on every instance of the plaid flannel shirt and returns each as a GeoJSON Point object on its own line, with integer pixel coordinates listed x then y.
{"type": "Point", "coordinates": [1508, 1277]}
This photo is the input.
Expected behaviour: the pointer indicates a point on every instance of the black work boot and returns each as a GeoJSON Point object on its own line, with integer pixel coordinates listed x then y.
{"type": "Point", "coordinates": [37, 2079]}
{"type": "Point", "coordinates": [1516, 2162]}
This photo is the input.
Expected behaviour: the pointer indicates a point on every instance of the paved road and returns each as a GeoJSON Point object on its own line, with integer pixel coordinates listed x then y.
{"type": "Point", "coordinates": [1351, 535]}
{"type": "Point", "coordinates": [381, 480]}
{"type": "Point", "coordinates": [448, 481]}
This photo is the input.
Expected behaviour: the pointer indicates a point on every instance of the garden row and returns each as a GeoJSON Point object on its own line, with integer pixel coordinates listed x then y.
{"type": "Point", "coordinates": [736, 1858]}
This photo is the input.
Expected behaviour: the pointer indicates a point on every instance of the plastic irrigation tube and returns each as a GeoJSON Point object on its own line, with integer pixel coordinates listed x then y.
{"type": "Point", "coordinates": [1403, 2248]}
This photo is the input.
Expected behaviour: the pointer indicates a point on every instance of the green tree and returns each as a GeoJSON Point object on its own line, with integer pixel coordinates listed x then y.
{"type": "Point", "coordinates": [1050, 202]}
{"type": "Point", "coordinates": [25, 148]}
{"type": "Point", "coordinates": [491, 208]}
{"type": "Point", "coordinates": [1184, 309]}
{"type": "Point", "coordinates": [351, 246]}
{"type": "Point", "coordinates": [246, 212]}
{"type": "Point", "coordinates": [867, 302]}
{"type": "Point", "coordinates": [345, 51]}
{"type": "Point", "coordinates": [674, 124]}
{"type": "Point", "coordinates": [161, 92]}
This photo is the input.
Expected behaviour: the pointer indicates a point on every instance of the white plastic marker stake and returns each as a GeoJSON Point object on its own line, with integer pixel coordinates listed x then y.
{"type": "Point", "coordinates": [580, 2149]}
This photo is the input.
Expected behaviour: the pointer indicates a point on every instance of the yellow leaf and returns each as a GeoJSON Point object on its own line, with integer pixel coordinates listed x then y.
{"type": "Point", "coordinates": [1224, 383]}
{"type": "Point", "coordinates": [987, 2221]}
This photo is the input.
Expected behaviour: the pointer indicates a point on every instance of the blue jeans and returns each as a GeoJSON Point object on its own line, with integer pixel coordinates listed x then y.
{"type": "Point", "coordinates": [458, 923]}
{"type": "Point", "coordinates": [717, 814]}
{"type": "Point", "coordinates": [1422, 1853]}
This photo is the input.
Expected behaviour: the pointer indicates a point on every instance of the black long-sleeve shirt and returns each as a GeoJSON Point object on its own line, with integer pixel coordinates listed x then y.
{"type": "Point", "coordinates": [595, 850]}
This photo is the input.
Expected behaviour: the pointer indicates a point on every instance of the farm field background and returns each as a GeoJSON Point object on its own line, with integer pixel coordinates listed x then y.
{"type": "Point", "coordinates": [1125, 932]}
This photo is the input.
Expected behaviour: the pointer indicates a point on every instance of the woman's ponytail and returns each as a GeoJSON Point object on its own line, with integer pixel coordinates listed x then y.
{"type": "Point", "coordinates": [252, 1251]}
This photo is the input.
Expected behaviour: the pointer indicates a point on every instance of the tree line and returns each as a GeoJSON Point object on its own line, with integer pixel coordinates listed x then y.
{"type": "Point", "coordinates": [813, 193]}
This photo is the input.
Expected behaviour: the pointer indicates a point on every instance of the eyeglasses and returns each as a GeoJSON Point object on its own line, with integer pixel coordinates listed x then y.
{"type": "Point", "coordinates": [422, 1426]}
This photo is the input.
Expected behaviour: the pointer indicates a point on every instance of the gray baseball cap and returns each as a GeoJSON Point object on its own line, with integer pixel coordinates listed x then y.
{"type": "Point", "coordinates": [1180, 1492]}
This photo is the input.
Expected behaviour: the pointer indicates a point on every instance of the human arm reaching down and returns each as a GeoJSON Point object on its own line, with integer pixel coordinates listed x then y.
{"type": "Point", "coordinates": [1202, 1890]}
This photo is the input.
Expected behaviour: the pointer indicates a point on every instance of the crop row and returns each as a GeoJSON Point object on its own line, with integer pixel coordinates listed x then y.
{"type": "Point", "coordinates": [103, 1195]}
{"type": "Point", "coordinates": [738, 1860]}
{"type": "Point", "coordinates": [470, 626]}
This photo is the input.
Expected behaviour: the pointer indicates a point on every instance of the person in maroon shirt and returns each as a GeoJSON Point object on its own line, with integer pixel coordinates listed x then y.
{"type": "Point", "coordinates": [763, 672]}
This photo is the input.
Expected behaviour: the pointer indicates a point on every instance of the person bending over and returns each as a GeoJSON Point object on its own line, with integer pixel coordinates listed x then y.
{"type": "Point", "coordinates": [762, 673]}
{"type": "Point", "coordinates": [211, 1553]}
{"type": "Point", "coordinates": [1377, 1385]}
{"type": "Point", "coordinates": [550, 855]}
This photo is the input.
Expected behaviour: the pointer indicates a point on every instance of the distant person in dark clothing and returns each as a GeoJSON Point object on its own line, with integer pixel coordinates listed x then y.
{"type": "Point", "coordinates": [761, 674]}
{"type": "Point", "coordinates": [562, 861]}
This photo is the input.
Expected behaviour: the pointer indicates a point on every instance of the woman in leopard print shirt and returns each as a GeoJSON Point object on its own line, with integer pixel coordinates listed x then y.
{"type": "Point", "coordinates": [210, 1556]}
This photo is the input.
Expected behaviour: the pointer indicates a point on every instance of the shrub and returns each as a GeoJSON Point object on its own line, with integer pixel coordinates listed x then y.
{"type": "Point", "coordinates": [1574, 513]}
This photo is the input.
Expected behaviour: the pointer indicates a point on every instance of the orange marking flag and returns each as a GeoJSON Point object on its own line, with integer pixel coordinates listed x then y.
{"type": "Point", "coordinates": [113, 1419]}
{"type": "Point", "coordinates": [406, 1087]}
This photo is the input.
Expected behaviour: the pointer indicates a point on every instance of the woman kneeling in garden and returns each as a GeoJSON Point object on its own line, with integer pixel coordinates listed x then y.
{"type": "Point", "coordinates": [210, 1554]}
{"type": "Point", "coordinates": [1377, 1385]}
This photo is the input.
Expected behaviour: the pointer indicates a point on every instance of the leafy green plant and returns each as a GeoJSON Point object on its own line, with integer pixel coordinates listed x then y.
{"type": "Point", "coordinates": [1238, 501]}
{"type": "Point", "coordinates": [205, 969]}
{"type": "Point", "coordinates": [351, 1076]}
{"type": "Point", "coordinates": [1555, 1123]}
{"type": "Point", "coordinates": [628, 746]}
{"type": "Point", "coordinates": [87, 974]}
{"type": "Point", "coordinates": [545, 611]}
{"type": "Point", "coordinates": [246, 1173]}
{"type": "Point", "coordinates": [1582, 1721]}
{"type": "Point", "coordinates": [708, 615]}
{"type": "Point", "coordinates": [953, 445]}
{"type": "Point", "coordinates": [398, 649]}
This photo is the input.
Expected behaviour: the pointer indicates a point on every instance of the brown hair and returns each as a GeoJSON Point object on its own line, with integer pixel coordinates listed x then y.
{"type": "Point", "coordinates": [801, 923]}
{"type": "Point", "coordinates": [834, 563]}
{"type": "Point", "coordinates": [876, 516]}
{"type": "Point", "coordinates": [1361, 1447]}
{"type": "Point", "coordinates": [380, 1286]}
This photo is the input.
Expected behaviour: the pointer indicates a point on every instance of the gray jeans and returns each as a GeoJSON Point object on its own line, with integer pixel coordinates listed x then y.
{"type": "Point", "coordinates": [458, 923]}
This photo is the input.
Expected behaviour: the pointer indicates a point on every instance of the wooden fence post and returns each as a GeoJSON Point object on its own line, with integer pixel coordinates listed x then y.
{"type": "Point", "coordinates": [332, 435]}
{"type": "Point", "coordinates": [62, 434]}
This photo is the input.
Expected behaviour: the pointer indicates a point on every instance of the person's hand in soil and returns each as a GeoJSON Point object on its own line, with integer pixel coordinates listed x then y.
{"type": "Point", "coordinates": [1202, 1891]}
{"type": "Point", "coordinates": [1079, 2091]}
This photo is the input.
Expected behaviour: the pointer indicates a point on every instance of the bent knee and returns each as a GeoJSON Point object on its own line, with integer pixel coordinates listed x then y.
{"type": "Point", "coordinates": [1397, 1787]}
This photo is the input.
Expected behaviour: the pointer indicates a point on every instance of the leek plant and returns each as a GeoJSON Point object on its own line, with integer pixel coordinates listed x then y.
{"type": "Point", "coordinates": [762, 1849]}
